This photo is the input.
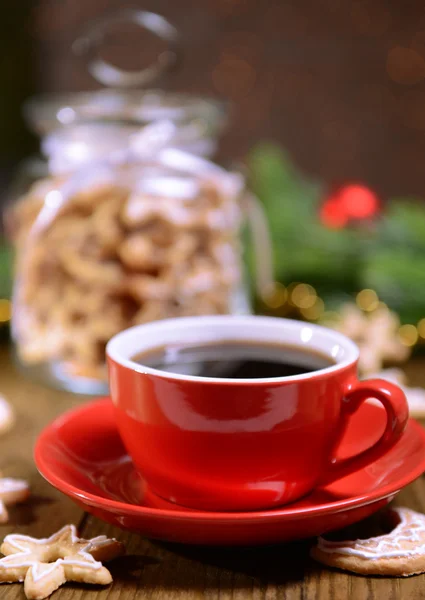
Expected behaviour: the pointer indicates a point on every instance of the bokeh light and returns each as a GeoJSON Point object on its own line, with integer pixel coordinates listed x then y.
{"type": "Point", "coordinates": [5, 310]}
{"type": "Point", "coordinates": [367, 300]}
{"type": "Point", "coordinates": [405, 65]}
{"type": "Point", "coordinates": [314, 312]}
{"type": "Point", "coordinates": [233, 77]}
{"type": "Point", "coordinates": [359, 201]}
{"type": "Point", "coordinates": [303, 296]}
{"type": "Point", "coordinates": [408, 335]}
{"type": "Point", "coordinates": [421, 328]}
{"type": "Point", "coordinates": [276, 297]}
{"type": "Point", "coordinates": [353, 201]}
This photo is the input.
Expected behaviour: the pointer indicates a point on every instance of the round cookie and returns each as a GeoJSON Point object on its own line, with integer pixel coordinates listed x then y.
{"type": "Point", "coordinates": [400, 553]}
{"type": "Point", "coordinates": [7, 415]}
{"type": "Point", "coordinates": [12, 491]}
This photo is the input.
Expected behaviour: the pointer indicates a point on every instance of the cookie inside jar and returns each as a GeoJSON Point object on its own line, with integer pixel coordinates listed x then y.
{"type": "Point", "coordinates": [103, 249]}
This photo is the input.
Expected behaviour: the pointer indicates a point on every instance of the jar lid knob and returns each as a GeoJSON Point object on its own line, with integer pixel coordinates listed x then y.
{"type": "Point", "coordinates": [89, 42]}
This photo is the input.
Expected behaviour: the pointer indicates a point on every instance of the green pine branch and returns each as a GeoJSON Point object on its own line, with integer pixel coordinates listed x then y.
{"type": "Point", "coordinates": [304, 250]}
{"type": "Point", "coordinates": [390, 257]}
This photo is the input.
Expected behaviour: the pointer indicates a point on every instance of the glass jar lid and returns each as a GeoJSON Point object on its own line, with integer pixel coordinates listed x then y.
{"type": "Point", "coordinates": [137, 107]}
{"type": "Point", "coordinates": [199, 118]}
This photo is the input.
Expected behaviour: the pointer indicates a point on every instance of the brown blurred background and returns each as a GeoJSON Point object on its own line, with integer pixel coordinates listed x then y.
{"type": "Point", "coordinates": [340, 83]}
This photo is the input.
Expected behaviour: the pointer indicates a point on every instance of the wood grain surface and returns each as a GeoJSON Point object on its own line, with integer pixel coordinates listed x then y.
{"type": "Point", "coordinates": [160, 571]}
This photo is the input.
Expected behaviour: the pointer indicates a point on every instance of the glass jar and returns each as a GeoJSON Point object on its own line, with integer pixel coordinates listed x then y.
{"type": "Point", "coordinates": [129, 222]}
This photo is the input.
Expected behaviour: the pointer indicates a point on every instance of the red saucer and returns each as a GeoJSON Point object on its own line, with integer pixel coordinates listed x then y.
{"type": "Point", "coordinates": [82, 455]}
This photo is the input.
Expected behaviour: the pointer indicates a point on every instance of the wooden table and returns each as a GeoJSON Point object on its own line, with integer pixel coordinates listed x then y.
{"type": "Point", "coordinates": [159, 571]}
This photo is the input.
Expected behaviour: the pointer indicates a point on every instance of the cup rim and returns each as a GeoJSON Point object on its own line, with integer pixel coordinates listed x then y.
{"type": "Point", "coordinates": [114, 353]}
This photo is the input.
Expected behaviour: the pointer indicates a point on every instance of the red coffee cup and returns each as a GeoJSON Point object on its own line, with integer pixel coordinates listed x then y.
{"type": "Point", "coordinates": [242, 444]}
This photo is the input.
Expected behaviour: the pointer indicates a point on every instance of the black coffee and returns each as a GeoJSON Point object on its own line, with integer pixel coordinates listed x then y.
{"type": "Point", "coordinates": [234, 360]}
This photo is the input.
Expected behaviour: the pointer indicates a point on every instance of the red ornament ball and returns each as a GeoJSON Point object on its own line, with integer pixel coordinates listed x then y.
{"type": "Point", "coordinates": [350, 202]}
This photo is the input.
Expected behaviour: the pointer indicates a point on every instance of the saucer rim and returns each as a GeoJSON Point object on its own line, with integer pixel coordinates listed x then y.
{"type": "Point", "coordinates": [281, 513]}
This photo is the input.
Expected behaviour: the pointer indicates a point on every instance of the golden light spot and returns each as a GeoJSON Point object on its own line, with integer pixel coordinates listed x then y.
{"type": "Point", "coordinates": [408, 335]}
{"type": "Point", "coordinates": [234, 77]}
{"type": "Point", "coordinates": [303, 296]}
{"type": "Point", "coordinates": [421, 328]}
{"type": "Point", "coordinates": [405, 65]}
{"type": "Point", "coordinates": [367, 300]}
{"type": "Point", "coordinates": [5, 310]}
{"type": "Point", "coordinates": [276, 297]}
{"type": "Point", "coordinates": [290, 288]}
{"type": "Point", "coordinates": [314, 312]}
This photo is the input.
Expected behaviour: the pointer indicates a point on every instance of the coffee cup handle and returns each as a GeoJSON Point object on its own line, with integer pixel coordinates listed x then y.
{"type": "Point", "coordinates": [396, 407]}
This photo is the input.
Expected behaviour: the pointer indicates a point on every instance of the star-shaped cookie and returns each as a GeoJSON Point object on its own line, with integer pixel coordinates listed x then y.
{"type": "Point", "coordinates": [45, 564]}
{"type": "Point", "coordinates": [376, 335]}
